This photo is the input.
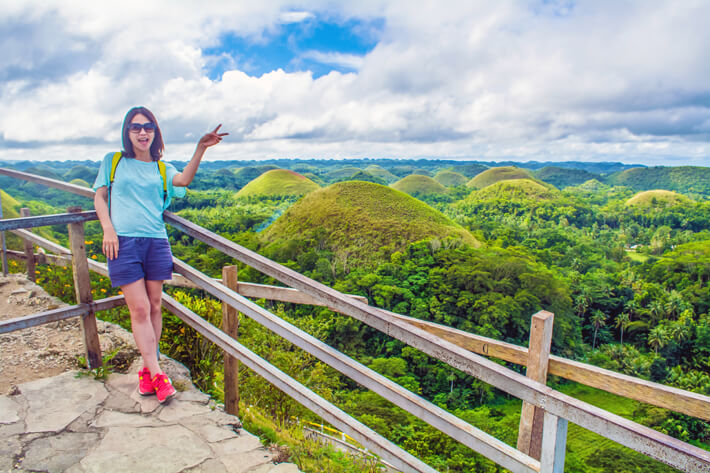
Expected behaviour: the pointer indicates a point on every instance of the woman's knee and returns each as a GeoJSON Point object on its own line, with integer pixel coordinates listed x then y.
{"type": "Point", "coordinates": [140, 311]}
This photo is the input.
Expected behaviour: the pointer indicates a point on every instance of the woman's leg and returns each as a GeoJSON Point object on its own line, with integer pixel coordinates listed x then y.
{"type": "Point", "coordinates": [139, 306]}
{"type": "Point", "coordinates": [155, 292]}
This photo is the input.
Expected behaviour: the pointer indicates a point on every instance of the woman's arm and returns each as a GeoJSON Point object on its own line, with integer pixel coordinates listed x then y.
{"type": "Point", "coordinates": [110, 243]}
{"type": "Point", "coordinates": [184, 178]}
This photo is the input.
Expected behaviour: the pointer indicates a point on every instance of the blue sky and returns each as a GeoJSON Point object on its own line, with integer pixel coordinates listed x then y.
{"type": "Point", "coordinates": [594, 80]}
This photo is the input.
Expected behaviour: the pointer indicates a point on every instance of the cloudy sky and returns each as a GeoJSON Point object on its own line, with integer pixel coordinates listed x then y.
{"type": "Point", "coordinates": [537, 80]}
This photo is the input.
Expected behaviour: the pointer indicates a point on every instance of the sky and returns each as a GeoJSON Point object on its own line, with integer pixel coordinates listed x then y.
{"type": "Point", "coordinates": [537, 80]}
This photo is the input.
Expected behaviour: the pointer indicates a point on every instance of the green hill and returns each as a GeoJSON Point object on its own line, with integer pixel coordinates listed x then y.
{"type": "Point", "coordinates": [382, 173]}
{"type": "Point", "coordinates": [80, 182]}
{"type": "Point", "coordinates": [684, 179]}
{"type": "Point", "coordinates": [515, 189]}
{"type": "Point", "coordinates": [244, 175]}
{"type": "Point", "coordinates": [493, 175]}
{"type": "Point", "coordinates": [82, 172]}
{"type": "Point", "coordinates": [418, 185]}
{"type": "Point", "coordinates": [449, 178]}
{"type": "Point", "coordinates": [564, 177]}
{"type": "Point", "coordinates": [656, 198]}
{"type": "Point", "coordinates": [277, 183]}
{"type": "Point", "coordinates": [470, 170]}
{"type": "Point", "coordinates": [358, 218]}
{"type": "Point", "coordinates": [341, 174]}
{"type": "Point", "coordinates": [10, 205]}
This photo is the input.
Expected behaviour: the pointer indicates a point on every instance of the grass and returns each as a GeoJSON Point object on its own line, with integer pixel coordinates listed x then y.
{"type": "Point", "coordinates": [278, 182]}
{"type": "Point", "coordinates": [450, 178]}
{"type": "Point", "coordinates": [359, 218]}
{"type": "Point", "coordinates": [493, 175]}
{"type": "Point", "coordinates": [416, 184]}
{"type": "Point", "coordinates": [515, 188]}
{"type": "Point", "coordinates": [655, 198]}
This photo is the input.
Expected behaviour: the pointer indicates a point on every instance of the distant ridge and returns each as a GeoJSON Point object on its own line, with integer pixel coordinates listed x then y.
{"type": "Point", "coordinates": [359, 218]}
{"type": "Point", "coordinates": [561, 177]}
{"type": "Point", "coordinates": [278, 183]}
{"type": "Point", "coordinates": [684, 179]}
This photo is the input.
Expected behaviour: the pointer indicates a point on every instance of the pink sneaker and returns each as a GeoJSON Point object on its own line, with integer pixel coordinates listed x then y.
{"type": "Point", "coordinates": [163, 388]}
{"type": "Point", "coordinates": [145, 385]}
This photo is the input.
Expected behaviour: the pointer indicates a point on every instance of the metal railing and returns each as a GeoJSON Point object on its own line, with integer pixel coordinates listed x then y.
{"type": "Point", "coordinates": [449, 345]}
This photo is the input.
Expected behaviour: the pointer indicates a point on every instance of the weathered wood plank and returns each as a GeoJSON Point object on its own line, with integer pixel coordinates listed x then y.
{"type": "Point", "coordinates": [47, 220]}
{"type": "Point", "coordinates": [65, 186]}
{"type": "Point", "coordinates": [532, 417]}
{"type": "Point", "coordinates": [29, 251]}
{"type": "Point", "coordinates": [82, 289]}
{"type": "Point", "coordinates": [230, 326]}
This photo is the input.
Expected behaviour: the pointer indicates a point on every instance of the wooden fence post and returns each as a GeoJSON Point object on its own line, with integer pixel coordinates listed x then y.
{"type": "Point", "coordinates": [82, 289]}
{"type": "Point", "coordinates": [532, 418]}
{"type": "Point", "coordinates": [4, 246]}
{"type": "Point", "coordinates": [29, 250]}
{"type": "Point", "coordinates": [230, 326]}
{"type": "Point", "coordinates": [554, 443]}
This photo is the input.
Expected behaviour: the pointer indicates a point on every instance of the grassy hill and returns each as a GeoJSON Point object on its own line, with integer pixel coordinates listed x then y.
{"type": "Point", "coordinates": [357, 218]}
{"type": "Point", "coordinates": [341, 174]}
{"type": "Point", "coordinates": [655, 198]}
{"type": "Point", "coordinates": [418, 185]}
{"type": "Point", "coordinates": [449, 178]}
{"type": "Point", "coordinates": [515, 188]}
{"type": "Point", "coordinates": [278, 182]}
{"type": "Point", "coordinates": [493, 175]}
{"type": "Point", "coordinates": [564, 177]}
{"type": "Point", "coordinates": [80, 182]}
{"type": "Point", "coordinates": [10, 205]}
{"type": "Point", "coordinates": [382, 173]}
{"type": "Point", "coordinates": [684, 179]}
{"type": "Point", "coordinates": [470, 170]}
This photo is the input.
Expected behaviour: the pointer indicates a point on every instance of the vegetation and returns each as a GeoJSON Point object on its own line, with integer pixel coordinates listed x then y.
{"type": "Point", "coordinates": [493, 175]}
{"type": "Point", "coordinates": [450, 178]}
{"type": "Point", "coordinates": [278, 183]}
{"type": "Point", "coordinates": [626, 275]}
{"type": "Point", "coordinates": [417, 185]}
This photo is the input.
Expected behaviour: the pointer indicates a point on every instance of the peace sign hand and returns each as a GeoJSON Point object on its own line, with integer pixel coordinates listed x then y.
{"type": "Point", "coordinates": [212, 138]}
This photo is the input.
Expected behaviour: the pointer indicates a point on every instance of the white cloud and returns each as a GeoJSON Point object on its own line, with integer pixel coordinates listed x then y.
{"type": "Point", "coordinates": [567, 80]}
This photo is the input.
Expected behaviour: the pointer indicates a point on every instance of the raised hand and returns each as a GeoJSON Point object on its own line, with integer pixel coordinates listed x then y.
{"type": "Point", "coordinates": [211, 138]}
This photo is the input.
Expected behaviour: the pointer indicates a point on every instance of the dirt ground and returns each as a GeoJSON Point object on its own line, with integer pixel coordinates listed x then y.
{"type": "Point", "coordinates": [49, 349]}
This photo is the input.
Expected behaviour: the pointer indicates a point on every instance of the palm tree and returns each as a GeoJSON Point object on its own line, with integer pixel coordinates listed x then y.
{"type": "Point", "coordinates": [598, 320]}
{"type": "Point", "coordinates": [622, 321]}
{"type": "Point", "coordinates": [658, 338]}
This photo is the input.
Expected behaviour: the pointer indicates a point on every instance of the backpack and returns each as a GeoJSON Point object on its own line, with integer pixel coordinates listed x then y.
{"type": "Point", "coordinates": [114, 164]}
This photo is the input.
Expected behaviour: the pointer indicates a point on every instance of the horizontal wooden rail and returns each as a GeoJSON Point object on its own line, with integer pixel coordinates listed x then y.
{"type": "Point", "coordinates": [46, 220]}
{"type": "Point", "coordinates": [54, 315]}
{"type": "Point", "coordinates": [65, 186]}
{"type": "Point", "coordinates": [366, 436]}
{"type": "Point", "coordinates": [630, 434]}
{"type": "Point", "coordinates": [470, 436]}
{"type": "Point", "coordinates": [678, 400]}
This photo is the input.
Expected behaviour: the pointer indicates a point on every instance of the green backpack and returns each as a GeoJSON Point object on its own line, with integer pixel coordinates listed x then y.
{"type": "Point", "coordinates": [114, 164]}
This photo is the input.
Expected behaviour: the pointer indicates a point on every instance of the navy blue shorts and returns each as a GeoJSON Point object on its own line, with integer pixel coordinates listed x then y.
{"type": "Point", "coordinates": [141, 258]}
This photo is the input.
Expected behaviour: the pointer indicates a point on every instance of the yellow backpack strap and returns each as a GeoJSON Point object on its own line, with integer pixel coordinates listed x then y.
{"type": "Point", "coordinates": [114, 164]}
{"type": "Point", "coordinates": [163, 174]}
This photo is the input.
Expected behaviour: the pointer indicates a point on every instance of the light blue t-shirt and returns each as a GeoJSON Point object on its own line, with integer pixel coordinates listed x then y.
{"type": "Point", "coordinates": [137, 196]}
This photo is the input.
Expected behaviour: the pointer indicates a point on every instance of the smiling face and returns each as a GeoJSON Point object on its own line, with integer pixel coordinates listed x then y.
{"type": "Point", "coordinates": [142, 140]}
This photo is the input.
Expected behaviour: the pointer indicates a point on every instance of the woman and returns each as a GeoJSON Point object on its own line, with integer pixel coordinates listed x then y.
{"type": "Point", "coordinates": [130, 208]}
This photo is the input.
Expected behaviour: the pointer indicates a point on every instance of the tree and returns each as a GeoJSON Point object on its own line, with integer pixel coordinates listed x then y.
{"type": "Point", "coordinates": [598, 320]}
{"type": "Point", "coordinates": [658, 338]}
{"type": "Point", "coordinates": [622, 322]}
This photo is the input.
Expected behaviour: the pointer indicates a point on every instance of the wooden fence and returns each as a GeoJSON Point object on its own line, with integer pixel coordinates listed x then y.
{"type": "Point", "coordinates": [546, 412]}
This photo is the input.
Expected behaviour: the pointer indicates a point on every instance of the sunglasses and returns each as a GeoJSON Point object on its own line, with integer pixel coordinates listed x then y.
{"type": "Point", "coordinates": [136, 127]}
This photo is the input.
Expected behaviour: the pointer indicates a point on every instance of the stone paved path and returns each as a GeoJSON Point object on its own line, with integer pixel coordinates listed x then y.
{"type": "Point", "coordinates": [81, 425]}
